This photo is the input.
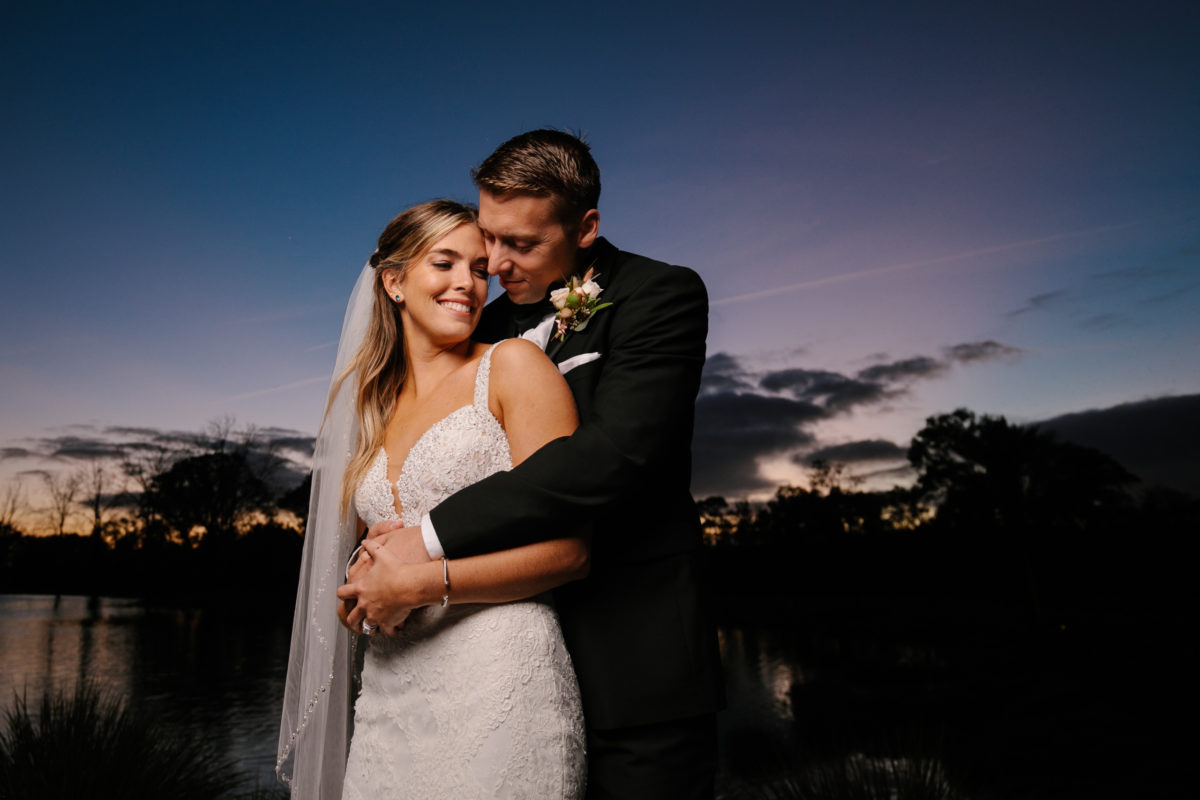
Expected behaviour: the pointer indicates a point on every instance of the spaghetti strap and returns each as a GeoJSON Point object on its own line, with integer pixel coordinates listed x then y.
{"type": "Point", "coordinates": [482, 374]}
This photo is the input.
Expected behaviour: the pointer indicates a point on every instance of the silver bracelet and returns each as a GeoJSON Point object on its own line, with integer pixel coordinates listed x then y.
{"type": "Point", "coordinates": [353, 556]}
{"type": "Point", "coordinates": [445, 583]}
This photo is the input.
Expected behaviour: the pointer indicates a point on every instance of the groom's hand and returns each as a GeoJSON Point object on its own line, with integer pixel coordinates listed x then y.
{"type": "Point", "coordinates": [404, 545]}
{"type": "Point", "coordinates": [384, 595]}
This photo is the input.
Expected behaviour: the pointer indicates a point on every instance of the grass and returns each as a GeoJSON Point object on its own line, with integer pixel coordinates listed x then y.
{"type": "Point", "coordinates": [89, 744]}
{"type": "Point", "coordinates": [856, 777]}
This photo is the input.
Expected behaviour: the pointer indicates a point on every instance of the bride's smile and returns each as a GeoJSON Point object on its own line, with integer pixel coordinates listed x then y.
{"type": "Point", "coordinates": [442, 293]}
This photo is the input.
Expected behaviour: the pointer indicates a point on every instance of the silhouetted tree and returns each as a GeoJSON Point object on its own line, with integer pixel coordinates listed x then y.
{"type": "Point", "coordinates": [143, 466]}
{"type": "Point", "coordinates": [211, 491]}
{"type": "Point", "coordinates": [296, 499]}
{"type": "Point", "coordinates": [101, 494]}
{"type": "Point", "coordinates": [825, 476]}
{"type": "Point", "coordinates": [63, 490]}
{"type": "Point", "coordinates": [722, 522]}
{"type": "Point", "coordinates": [990, 479]}
{"type": "Point", "coordinates": [12, 504]}
{"type": "Point", "coordinates": [984, 474]}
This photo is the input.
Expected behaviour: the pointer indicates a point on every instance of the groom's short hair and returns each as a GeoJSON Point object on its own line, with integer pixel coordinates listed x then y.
{"type": "Point", "coordinates": [544, 163]}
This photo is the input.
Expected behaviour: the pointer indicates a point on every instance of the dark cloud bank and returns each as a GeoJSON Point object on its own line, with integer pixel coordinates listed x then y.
{"type": "Point", "coordinates": [744, 415]}
{"type": "Point", "coordinates": [1158, 440]}
{"type": "Point", "coordinates": [290, 450]}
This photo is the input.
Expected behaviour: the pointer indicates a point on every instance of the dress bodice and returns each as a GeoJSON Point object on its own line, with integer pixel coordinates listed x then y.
{"type": "Point", "coordinates": [470, 701]}
{"type": "Point", "coordinates": [461, 448]}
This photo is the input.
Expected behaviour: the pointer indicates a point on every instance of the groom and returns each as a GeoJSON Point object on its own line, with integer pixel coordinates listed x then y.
{"type": "Point", "coordinates": [639, 633]}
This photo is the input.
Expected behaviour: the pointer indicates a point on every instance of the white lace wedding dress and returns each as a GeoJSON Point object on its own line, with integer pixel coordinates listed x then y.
{"type": "Point", "coordinates": [467, 701]}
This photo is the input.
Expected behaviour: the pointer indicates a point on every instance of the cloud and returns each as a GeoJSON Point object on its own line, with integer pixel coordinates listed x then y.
{"type": "Point", "coordinates": [856, 452]}
{"type": "Point", "coordinates": [904, 472]}
{"type": "Point", "coordinates": [905, 370]}
{"type": "Point", "coordinates": [284, 454]}
{"type": "Point", "coordinates": [300, 444]}
{"type": "Point", "coordinates": [745, 415]}
{"type": "Point", "coordinates": [1039, 301]}
{"type": "Point", "coordinates": [723, 373]}
{"type": "Point", "coordinates": [121, 430]}
{"type": "Point", "coordinates": [81, 447]}
{"type": "Point", "coordinates": [1157, 439]}
{"type": "Point", "coordinates": [735, 430]}
{"type": "Point", "coordinates": [1174, 295]}
{"type": "Point", "coordinates": [1185, 255]}
{"type": "Point", "coordinates": [834, 391]}
{"type": "Point", "coordinates": [989, 350]}
{"type": "Point", "coordinates": [1102, 322]}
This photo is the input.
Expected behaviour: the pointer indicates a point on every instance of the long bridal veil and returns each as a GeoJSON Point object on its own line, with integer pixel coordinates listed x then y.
{"type": "Point", "coordinates": [317, 702]}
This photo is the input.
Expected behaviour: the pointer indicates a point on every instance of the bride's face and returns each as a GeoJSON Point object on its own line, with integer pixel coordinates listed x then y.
{"type": "Point", "coordinates": [443, 292]}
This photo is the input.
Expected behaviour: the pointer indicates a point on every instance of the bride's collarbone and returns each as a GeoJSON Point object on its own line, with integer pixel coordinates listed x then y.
{"type": "Point", "coordinates": [416, 411]}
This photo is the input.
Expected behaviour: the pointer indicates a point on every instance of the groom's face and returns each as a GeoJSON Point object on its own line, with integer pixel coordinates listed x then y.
{"type": "Point", "coordinates": [528, 245]}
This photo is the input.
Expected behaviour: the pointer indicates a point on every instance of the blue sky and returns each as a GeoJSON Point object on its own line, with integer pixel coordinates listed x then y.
{"type": "Point", "coordinates": [190, 191]}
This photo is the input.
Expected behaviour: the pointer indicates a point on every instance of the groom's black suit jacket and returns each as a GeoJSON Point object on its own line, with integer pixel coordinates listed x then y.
{"type": "Point", "coordinates": [638, 629]}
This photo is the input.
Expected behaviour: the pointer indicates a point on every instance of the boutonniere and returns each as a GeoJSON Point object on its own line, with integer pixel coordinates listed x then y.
{"type": "Point", "coordinates": [576, 303]}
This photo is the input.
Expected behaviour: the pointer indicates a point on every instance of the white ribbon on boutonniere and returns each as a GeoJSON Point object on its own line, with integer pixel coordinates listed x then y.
{"type": "Point", "coordinates": [576, 303]}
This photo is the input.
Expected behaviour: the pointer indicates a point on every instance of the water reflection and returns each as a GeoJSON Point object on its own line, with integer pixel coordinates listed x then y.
{"type": "Point", "coordinates": [48, 641]}
{"type": "Point", "coordinates": [220, 675]}
{"type": "Point", "coordinates": [760, 677]}
{"type": "Point", "coordinates": [823, 699]}
{"type": "Point", "coordinates": [213, 674]}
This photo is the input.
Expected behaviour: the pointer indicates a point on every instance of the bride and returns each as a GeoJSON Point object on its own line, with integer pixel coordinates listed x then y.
{"type": "Point", "coordinates": [473, 694]}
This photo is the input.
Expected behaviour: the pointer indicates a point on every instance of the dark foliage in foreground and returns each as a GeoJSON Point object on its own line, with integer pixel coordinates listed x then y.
{"type": "Point", "coordinates": [1008, 627]}
{"type": "Point", "coordinates": [855, 777]}
{"type": "Point", "coordinates": [1001, 518]}
{"type": "Point", "coordinates": [91, 745]}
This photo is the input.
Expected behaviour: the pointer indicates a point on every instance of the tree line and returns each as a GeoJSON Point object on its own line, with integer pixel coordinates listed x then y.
{"type": "Point", "coordinates": [1000, 517]}
{"type": "Point", "coordinates": [998, 513]}
{"type": "Point", "coordinates": [177, 517]}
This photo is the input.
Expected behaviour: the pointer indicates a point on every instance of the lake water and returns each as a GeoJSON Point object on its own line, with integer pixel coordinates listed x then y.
{"type": "Point", "coordinates": [220, 675]}
{"type": "Point", "coordinates": [992, 714]}
{"type": "Point", "coordinates": [212, 674]}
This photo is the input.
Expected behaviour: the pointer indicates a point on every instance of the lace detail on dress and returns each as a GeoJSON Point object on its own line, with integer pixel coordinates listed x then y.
{"type": "Point", "coordinates": [373, 496]}
{"type": "Point", "coordinates": [461, 448]}
{"type": "Point", "coordinates": [468, 701]}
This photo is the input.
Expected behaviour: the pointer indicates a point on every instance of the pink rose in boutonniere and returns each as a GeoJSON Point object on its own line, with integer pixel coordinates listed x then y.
{"type": "Point", "coordinates": [576, 303]}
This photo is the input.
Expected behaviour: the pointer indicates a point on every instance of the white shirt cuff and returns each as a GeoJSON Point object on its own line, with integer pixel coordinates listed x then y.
{"type": "Point", "coordinates": [429, 536]}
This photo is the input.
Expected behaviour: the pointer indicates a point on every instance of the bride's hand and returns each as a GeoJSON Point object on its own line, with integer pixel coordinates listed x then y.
{"type": "Point", "coordinates": [386, 594]}
{"type": "Point", "coordinates": [344, 609]}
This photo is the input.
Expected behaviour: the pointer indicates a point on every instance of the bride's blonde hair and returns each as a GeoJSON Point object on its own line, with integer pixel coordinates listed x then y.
{"type": "Point", "coordinates": [380, 363]}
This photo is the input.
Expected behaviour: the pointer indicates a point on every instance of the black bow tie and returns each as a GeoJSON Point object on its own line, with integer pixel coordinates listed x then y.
{"type": "Point", "coordinates": [526, 316]}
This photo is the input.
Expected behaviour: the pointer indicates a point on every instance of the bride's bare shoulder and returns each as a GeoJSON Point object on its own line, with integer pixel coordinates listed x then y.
{"type": "Point", "coordinates": [521, 371]}
{"type": "Point", "coordinates": [520, 356]}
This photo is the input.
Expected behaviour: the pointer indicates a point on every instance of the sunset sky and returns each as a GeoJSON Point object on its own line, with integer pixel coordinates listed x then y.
{"type": "Point", "coordinates": [898, 209]}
